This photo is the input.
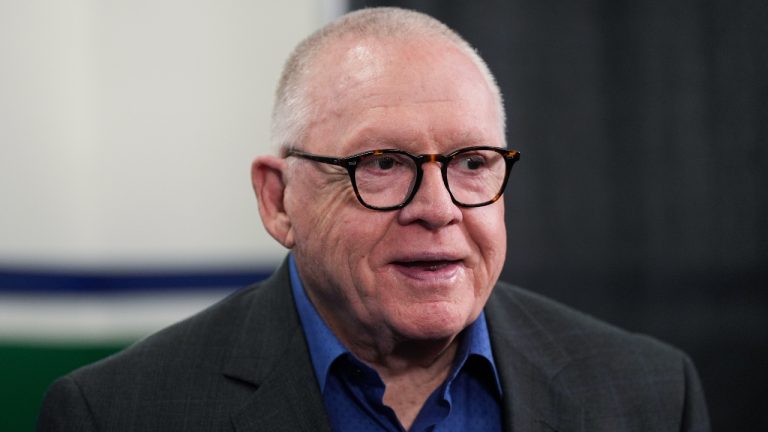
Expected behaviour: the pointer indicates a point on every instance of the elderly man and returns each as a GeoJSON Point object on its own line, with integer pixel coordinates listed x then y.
{"type": "Point", "coordinates": [387, 314]}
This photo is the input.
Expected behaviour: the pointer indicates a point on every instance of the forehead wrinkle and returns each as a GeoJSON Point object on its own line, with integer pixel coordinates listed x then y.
{"type": "Point", "coordinates": [388, 104]}
{"type": "Point", "coordinates": [375, 136]}
{"type": "Point", "coordinates": [361, 75]}
{"type": "Point", "coordinates": [371, 137]}
{"type": "Point", "coordinates": [470, 137]}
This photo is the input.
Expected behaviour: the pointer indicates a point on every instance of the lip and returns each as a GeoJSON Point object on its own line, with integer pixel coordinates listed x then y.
{"type": "Point", "coordinates": [428, 267]}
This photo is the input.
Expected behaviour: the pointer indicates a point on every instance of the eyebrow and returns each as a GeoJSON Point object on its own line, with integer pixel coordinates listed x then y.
{"type": "Point", "coordinates": [456, 141]}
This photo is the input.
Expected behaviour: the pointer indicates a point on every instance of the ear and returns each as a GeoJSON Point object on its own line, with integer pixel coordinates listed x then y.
{"type": "Point", "coordinates": [267, 177]}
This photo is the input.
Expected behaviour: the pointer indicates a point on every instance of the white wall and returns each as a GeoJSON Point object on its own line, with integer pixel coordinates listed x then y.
{"type": "Point", "coordinates": [127, 128]}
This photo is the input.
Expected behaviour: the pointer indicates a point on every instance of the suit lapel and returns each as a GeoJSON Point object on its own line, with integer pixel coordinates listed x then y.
{"type": "Point", "coordinates": [528, 359]}
{"type": "Point", "coordinates": [272, 356]}
{"type": "Point", "coordinates": [288, 399]}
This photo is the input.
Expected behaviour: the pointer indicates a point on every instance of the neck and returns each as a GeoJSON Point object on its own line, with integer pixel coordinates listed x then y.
{"type": "Point", "coordinates": [411, 372]}
{"type": "Point", "coordinates": [397, 357]}
{"type": "Point", "coordinates": [381, 347]}
{"type": "Point", "coordinates": [410, 369]}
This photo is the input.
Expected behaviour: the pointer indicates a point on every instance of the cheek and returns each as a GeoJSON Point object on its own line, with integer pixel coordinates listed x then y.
{"type": "Point", "coordinates": [360, 235]}
{"type": "Point", "coordinates": [333, 228]}
{"type": "Point", "coordinates": [314, 206]}
{"type": "Point", "coordinates": [488, 232]}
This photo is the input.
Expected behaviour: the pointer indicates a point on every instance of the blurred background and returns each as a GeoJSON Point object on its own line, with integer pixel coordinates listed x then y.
{"type": "Point", "coordinates": [127, 129]}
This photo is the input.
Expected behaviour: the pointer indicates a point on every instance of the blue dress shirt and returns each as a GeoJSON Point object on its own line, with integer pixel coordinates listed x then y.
{"type": "Point", "coordinates": [469, 399]}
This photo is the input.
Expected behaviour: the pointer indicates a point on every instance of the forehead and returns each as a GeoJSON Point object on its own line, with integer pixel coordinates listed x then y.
{"type": "Point", "coordinates": [411, 94]}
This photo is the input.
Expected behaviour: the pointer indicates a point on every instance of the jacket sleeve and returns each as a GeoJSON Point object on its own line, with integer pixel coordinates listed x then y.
{"type": "Point", "coordinates": [65, 409]}
{"type": "Point", "coordinates": [695, 415]}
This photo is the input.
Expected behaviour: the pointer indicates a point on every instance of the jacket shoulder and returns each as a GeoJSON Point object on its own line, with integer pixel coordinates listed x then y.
{"type": "Point", "coordinates": [572, 333]}
{"type": "Point", "coordinates": [207, 331]}
{"type": "Point", "coordinates": [610, 378]}
{"type": "Point", "coordinates": [179, 368]}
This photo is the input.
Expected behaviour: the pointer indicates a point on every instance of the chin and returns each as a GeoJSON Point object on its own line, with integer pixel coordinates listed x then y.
{"type": "Point", "coordinates": [435, 322]}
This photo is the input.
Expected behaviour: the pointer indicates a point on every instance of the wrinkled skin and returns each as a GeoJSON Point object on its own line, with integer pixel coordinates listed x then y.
{"type": "Point", "coordinates": [399, 283]}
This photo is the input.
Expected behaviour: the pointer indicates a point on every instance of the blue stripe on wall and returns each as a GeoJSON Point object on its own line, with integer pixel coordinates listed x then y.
{"type": "Point", "coordinates": [53, 281]}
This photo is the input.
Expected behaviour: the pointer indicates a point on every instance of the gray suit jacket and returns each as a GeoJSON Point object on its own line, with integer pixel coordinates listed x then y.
{"type": "Point", "coordinates": [243, 365]}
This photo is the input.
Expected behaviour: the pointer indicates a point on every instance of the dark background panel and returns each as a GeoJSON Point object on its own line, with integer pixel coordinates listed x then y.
{"type": "Point", "coordinates": [641, 194]}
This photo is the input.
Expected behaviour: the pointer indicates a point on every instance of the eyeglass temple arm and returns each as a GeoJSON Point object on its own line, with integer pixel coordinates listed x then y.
{"type": "Point", "coordinates": [343, 162]}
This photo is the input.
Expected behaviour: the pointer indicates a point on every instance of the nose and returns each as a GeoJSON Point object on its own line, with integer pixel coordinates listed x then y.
{"type": "Point", "coordinates": [432, 205]}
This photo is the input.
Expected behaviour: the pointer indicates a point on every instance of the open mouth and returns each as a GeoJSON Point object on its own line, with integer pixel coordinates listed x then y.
{"type": "Point", "coordinates": [429, 266]}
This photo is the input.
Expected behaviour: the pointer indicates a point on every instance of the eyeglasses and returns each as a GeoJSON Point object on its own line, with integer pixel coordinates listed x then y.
{"type": "Point", "coordinates": [389, 179]}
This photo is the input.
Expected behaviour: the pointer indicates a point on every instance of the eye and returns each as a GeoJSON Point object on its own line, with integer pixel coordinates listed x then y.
{"type": "Point", "coordinates": [470, 162]}
{"type": "Point", "coordinates": [382, 163]}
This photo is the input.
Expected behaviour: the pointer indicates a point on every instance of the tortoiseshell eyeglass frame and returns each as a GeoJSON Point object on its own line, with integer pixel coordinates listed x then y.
{"type": "Point", "coordinates": [351, 163]}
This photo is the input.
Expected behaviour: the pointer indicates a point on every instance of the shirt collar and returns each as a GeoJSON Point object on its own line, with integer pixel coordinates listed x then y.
{"type": "Point", "coordinates": [325, 347]}
{"type": "Point", "coordinates": [477, 342]}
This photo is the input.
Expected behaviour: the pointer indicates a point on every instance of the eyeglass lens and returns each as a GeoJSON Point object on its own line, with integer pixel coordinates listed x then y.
{"type": "Point", "coordinates": [387, 179]}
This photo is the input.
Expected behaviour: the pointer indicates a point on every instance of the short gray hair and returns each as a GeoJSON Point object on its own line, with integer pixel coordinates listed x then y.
{"type": "Point", "coordinates": [293, 111]}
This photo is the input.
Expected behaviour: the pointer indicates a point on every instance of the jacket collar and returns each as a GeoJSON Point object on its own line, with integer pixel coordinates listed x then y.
{"type": "Point", "coordinates": [272, 356]}
{"type": "Point", "coordinates": [529, 359]}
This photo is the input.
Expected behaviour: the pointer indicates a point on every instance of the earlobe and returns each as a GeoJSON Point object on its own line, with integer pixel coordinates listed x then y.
{"type": "Point", "coordinates": [267, 178]}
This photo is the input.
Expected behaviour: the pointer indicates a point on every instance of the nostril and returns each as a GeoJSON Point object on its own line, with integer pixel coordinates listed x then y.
{"type": "Point", "coordinates": [432, 206]}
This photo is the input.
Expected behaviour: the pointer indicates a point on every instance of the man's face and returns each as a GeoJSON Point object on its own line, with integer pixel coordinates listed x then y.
{"type": "Point", "coordinates": [421, 272]}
